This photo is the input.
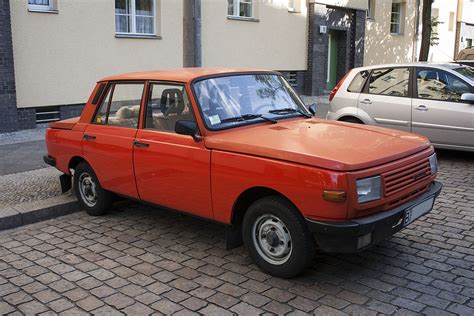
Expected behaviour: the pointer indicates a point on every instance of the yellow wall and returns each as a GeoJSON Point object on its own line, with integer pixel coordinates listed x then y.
{"type": "Point", "coordinates": [59, 57]}
{"type": "Point", "coordinates": [381, 47]}
{"type": "Point", "coordinates": [277, 41]}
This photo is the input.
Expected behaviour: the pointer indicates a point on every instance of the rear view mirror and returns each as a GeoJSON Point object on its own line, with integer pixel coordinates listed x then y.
{"type": "Point", "coordinates": [468, 98]}
{"type": "Point", "coordinates": [190, 128]}
{"type": "Point", "coordinates": [312, 108]}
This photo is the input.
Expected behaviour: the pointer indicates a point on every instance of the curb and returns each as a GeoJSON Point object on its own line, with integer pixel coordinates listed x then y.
{"type": "Point", "coordinates": [32, 212]}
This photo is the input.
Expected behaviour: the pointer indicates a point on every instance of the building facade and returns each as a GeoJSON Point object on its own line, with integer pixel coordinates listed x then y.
{"type": "Point", "coordinates": [465, 25]}
{"type": "Point", "coordinates": [53, 51]}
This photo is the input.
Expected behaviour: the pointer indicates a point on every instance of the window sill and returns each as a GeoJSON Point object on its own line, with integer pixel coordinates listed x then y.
{"type": "Point", "coordinates": [242, 18]}
{"type": "Point", "coordinates": [291, 10]}
{"type": "Point", "coordinates": [43, 11]}
{"type": "Point", "coordinates": [397, 34]}
{"type": "Point", "coordinates": [142, 36]}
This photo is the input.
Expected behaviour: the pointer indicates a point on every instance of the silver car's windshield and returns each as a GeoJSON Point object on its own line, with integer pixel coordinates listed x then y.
{"type": "Point", "coordinates": [246, 98]}
{"type": "Point", "coordinates": [466, 71]}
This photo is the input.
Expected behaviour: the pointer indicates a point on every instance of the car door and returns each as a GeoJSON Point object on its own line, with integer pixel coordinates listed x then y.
{"type": "Point", "coordinates": [437, 110]}
{"type": "Point", "coordinates": [386, 98]}
{"type": "Point", "coordinates": [108, 140]}
{"type": "Point", "coordinates": [171, 170]}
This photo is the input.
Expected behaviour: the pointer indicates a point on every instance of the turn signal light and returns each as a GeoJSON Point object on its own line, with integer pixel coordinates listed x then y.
{"type": "Point", "coordinates": [334, 195]}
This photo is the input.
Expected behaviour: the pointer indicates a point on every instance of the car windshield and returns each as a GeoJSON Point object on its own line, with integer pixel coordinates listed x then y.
{"type": "Point", "coordinates": [466, 71]}
{"type": "Point", "coordinates": [246, 98]}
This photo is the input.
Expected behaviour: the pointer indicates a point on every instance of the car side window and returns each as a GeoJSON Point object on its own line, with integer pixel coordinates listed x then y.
{"type": "Point", "coordinates": [121, 105]}
{"type": "Point", "coordinates": [390, 81]}
{"type": "Point", "coordinates": [167, 103]}
{"type": "Point", "coordinates": [439, 85]}
{"type": "Point", "coordinates": [357, 84]}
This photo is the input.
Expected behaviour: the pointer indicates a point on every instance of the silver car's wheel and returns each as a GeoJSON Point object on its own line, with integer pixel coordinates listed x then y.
{"type": "Point", "coordinates": [88, 189]}
{"type": "Point", "coordinates": [272, 239]}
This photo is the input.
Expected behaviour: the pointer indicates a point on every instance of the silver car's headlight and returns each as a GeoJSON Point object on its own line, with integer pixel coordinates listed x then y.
{"type": "Point", "coordinates": [369, 189]}
{"type": "Point", "coordinates": [433, 164]}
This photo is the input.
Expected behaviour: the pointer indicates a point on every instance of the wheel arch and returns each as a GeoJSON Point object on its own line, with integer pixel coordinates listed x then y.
{"type": "Point", "coordinates": [74, 161]}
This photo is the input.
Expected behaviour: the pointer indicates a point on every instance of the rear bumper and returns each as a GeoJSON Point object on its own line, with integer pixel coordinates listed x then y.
{"type": "Point", "coordinates": [49, 160]}
{"type": "Point", "coordinates": [361, 233]}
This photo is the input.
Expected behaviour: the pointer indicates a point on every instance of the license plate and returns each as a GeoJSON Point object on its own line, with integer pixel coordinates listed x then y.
{"type": "Point", "coordinates": [418, 211]}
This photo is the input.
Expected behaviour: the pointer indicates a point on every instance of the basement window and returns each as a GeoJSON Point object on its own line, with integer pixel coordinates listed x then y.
{"type": "Point", "coordinates": [47, 114]}
{"type": "Point", "coordinates": [42, 5]}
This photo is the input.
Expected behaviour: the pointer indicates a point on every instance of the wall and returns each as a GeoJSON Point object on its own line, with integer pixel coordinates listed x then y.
{"type": "Point", "coordinates": [59, 57]}
{"type": "Point", "coordinates": [9, 118]}
{"type": "Point", "coordinates": [276, 41]}
{"type": "Point", "coordinates": [465, 22]}
{"type": "Point", "coordinates": [351, 4]}
{"type": "Point", "coordinates": [381, 47]}
{"type": "Point", "coordinates": [444, 51]}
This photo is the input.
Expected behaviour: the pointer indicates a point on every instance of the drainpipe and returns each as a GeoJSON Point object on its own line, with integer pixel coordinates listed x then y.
{"type": "Point", "coordinates": [197, 34]}
{"type": "Point", "coordinates": [192, 50]}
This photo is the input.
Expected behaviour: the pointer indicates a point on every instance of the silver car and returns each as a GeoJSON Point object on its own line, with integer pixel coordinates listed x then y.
{"type": "Point", "coordinates": [435, 100]}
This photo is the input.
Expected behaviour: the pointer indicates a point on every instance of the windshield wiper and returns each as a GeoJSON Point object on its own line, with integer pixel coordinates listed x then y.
{"type": "Point", "coordinates": [289, 110]}
{"type": "Point", "coordinates": [247, 117]}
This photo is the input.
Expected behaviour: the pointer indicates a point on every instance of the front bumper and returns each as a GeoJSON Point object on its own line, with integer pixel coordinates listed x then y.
{"type": "Point", "coordinates": [346, 236]}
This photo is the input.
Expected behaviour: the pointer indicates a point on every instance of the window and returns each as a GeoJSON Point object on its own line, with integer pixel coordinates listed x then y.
{"type": "Point", "coordinates": [294, 5]}
{"type": "Point", "coordinates": [166, 105]}
{"type": "Point", "coordinates": [42, 5]}
{"type": "Point", "coordinates": [396, 18]}
{"type": "Point", "coordinates": [121, 105]}
{"type": "Point", "coordinates": [390, 81]}
{"type": "Point", "coordinates": [358, 82]}
{"type": "Point", "coordinates": [371, 10]}
{"type": "Point", "coordinates": [240, 8]}
{"type": "Point", "coordinates": [468, 42]}
{"type": "Point", "coordinates": [439, 85]}
{"type": "Point", "coordinates": [135, 17]}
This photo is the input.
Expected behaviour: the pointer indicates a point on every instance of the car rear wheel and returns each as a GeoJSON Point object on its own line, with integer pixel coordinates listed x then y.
{"type": "Point", "coordinates": [277, 237]}
{"type": "Point", "coordinates": [93, 198]}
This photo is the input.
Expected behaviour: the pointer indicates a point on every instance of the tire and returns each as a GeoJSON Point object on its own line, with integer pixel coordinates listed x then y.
{"type": "Point", "coordinates": [95, 200]}
{"type": "Point", "coordinates": [277, 237]}
{"type": "Point", "coordinates": [351, 120]}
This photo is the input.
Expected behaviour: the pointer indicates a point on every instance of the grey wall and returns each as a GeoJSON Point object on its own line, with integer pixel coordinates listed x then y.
{"type": "Point", "coordinates": [8, 111]}
{"type": "Point", "coordinates": [350, 25]}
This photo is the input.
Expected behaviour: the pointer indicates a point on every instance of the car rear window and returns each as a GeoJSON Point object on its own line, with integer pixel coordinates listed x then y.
{"type": "Point", "coordinates": [358, 82]}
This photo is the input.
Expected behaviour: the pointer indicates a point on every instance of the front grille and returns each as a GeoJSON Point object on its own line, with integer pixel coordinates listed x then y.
{"type": "Point", "coordinates": [400, 178]}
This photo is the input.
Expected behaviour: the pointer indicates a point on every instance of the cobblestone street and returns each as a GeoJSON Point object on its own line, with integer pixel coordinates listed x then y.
{"type": "Point", "coordinates": [140, 260]}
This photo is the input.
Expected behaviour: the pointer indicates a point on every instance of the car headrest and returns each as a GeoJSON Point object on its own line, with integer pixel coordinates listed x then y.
{"type": "Point", "coordinates": [172, 101]}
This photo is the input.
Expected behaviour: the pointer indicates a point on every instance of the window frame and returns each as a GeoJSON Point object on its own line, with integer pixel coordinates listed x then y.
{"type": "Point", "coordinates": [149, 91]}
{"type": "Point", "coordinates": [111, 85]}
{"type": "Point", "coordinates": [236, 8]}
{"type": "Point", "coordinates": [50, 7]}
{"type": "Point", "coordinates": [371, 10]}
{"type": "Point", "coordinates": [133, 16]}
{"type": "Point", "coordinates": [400, 17]}
{"type": "Point", "coordinates": [365, 90]}
{"type": "Point", "coordinates": [415, 83]}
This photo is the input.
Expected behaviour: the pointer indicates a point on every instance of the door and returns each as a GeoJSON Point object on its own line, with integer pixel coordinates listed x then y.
{"type": "Point", "coordinates": [171, 170]}
{"type": "Point", "coordinates": [108, 140]}
{"type": "Point", "coordinates": [437, 110]}
{"type": "Point", "coordinates": [386, 98]}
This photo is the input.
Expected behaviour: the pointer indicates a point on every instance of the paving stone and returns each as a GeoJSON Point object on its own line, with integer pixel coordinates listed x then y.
{"type": "Point", "coordinates": [223, 300]}
{"type": "Point", "coordinates": [213, 310]}
{"type": "Point", "coordinates": [119, 300]}
{"type": "Point", "coordinates": [60, 305]}
{"type": "Point", "coordinates": [166, 307]}
{"type": "Point", "coordinates": [328, 311]}
{"type": "Point", "coordinates": [30, 308]}
{"type": "Point", "coordinates": [245, 309]}
{"type": "Point", "coordinates": [193, 303]}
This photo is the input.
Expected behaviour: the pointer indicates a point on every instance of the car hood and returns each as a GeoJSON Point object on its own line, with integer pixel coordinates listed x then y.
{"type": "Point", "coordinates": [327, 144]}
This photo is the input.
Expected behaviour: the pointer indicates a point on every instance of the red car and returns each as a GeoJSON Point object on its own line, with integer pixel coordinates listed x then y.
{"type": "Point", "coordinates": [240, 148]}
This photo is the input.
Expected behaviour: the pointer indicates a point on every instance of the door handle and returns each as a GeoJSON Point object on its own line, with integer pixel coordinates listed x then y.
{"type": "Point", "coordinates": [88, 137]}
{"type": "Point", "coordinates": [139, 144]}
{"type": "Point", "coordinates": [422, 108]}
{"type": "Point", "coordinates": [366, 101]}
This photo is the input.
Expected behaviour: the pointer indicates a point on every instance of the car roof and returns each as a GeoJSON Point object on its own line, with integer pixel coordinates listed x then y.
{"type": "Point", "coordinates": [180, 74]}
{"type": "Point", "coordinates": [446, 65]}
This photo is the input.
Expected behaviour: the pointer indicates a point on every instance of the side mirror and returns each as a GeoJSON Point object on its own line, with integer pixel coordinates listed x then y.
{"type": "Point", "coordinates": [468, 98]}
{"type": "Point", "coordinates": [184, 127]}
{"type": "Point", "coordinates": [312, 108]}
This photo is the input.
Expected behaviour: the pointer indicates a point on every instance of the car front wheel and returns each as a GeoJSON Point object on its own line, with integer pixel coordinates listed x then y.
{"type": "Point", "coordinates": [93, 198]}
{"type": "Point", "coordinates": [277, 237]}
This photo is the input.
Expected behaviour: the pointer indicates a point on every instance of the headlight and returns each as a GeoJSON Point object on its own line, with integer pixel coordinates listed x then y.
{"type": "Point", "coordinates": [433, 164]}
{"type": "Point", "coordinates": [369, 189]}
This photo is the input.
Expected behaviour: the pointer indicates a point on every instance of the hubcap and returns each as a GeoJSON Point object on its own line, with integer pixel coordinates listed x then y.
{"type": "Point", "coordinates": [88, 189]}
{"type": "Point", "coordinates": [272, 239]}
